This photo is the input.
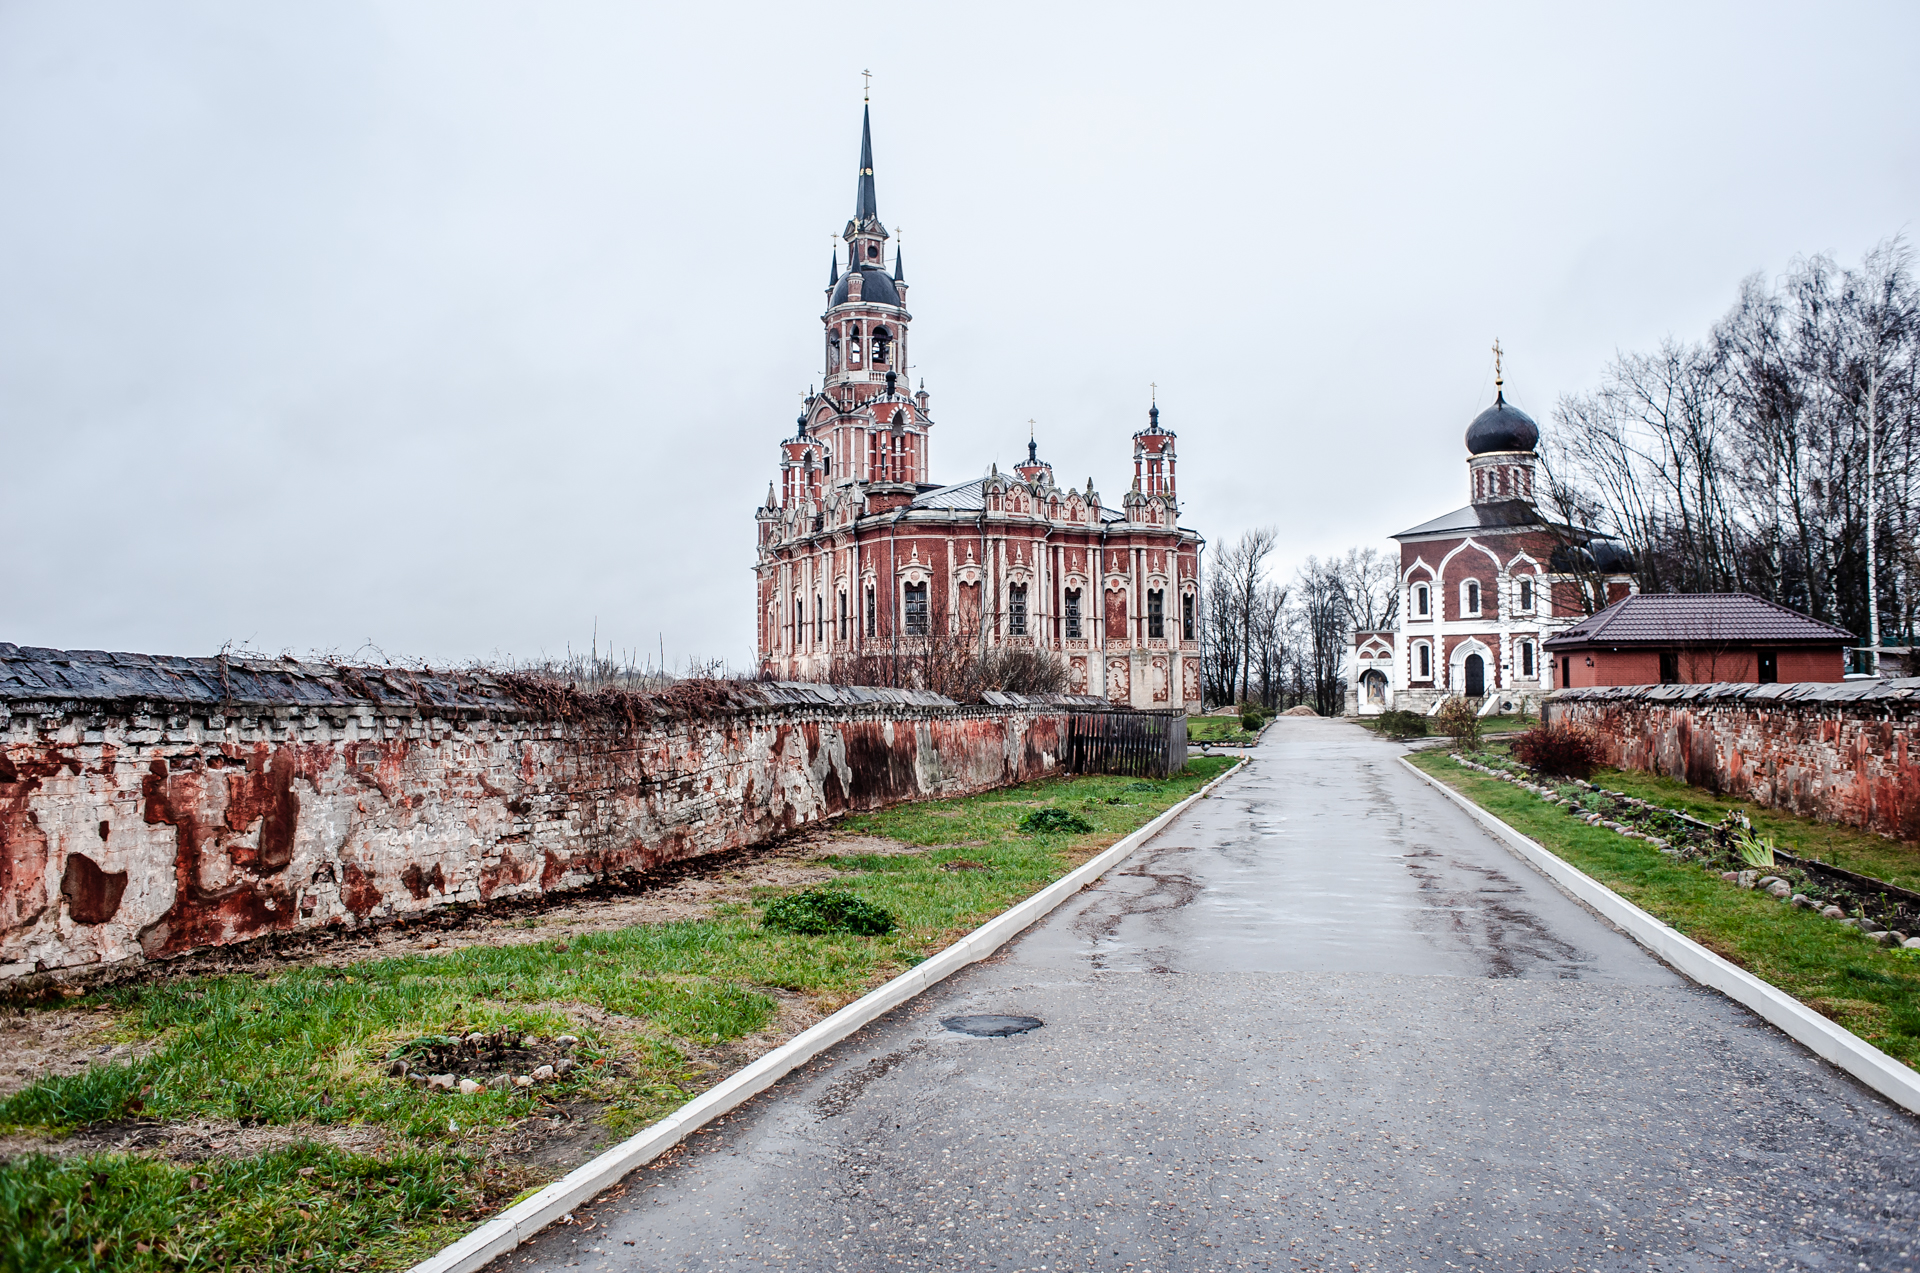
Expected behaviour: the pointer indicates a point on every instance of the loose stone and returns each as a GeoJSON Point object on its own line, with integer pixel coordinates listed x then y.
{"type": "Point", "coordinates": [1803, 901]}
{"type": "Point", "coordinates": [1833, 912]}
{"type": "Point", "coordinates": [544, 1074]}
{"type": "Point", "coordinates": [1780, 888]}
{"type": "Point", "coordinates": [470, 1088]}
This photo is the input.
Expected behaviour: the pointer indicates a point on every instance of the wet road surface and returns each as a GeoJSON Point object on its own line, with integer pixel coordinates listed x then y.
{"type": "Point", "coordinates": [1322, 1021]}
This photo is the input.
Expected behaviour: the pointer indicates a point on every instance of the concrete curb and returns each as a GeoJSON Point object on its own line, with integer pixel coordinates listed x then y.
{"type": "Point", "coordinates": [1823, 1038]}
{"type": "Point", "coordinates": [521, 1221]}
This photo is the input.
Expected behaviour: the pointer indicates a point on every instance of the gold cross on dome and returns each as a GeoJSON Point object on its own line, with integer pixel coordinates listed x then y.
{"type": "Point", "coordinates": [1153, 391]}
{"type": "Point", "coordinates": [866, 86]}
{"type": "Point", "coordinates": [1497, 380]}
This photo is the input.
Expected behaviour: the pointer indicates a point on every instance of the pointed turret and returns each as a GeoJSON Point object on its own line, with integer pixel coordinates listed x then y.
{"type": "Point", "coordinates": [833, 271]}
{"type": "Point", "coordinates": [899, 271]}
{"type": "Point", "coordinates": [865, 208]}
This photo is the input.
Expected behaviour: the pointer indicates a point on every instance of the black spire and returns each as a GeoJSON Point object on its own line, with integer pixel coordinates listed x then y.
{"type": "Point", "coordinates": [899, 273]}
{"type": "Point", "coordinates": [833, 270]}
{"type": "Point", "coordinates": [865, 208]}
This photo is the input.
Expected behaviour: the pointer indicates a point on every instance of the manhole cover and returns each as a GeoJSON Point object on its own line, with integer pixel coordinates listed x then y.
{"type": "Point", "coordinates": [992, 1025]}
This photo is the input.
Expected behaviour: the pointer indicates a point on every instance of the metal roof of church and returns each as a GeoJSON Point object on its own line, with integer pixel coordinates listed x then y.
{"type": "Point", "coordinates": [1489, 516]}
{"type": "Point", "coordinates": [1681, 618]}
{"type": "Point", "coordinates": [970, 497]}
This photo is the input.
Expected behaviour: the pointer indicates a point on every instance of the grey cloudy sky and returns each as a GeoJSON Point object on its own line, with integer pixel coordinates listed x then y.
{"type": "Point", "coordinates": [462, 327]}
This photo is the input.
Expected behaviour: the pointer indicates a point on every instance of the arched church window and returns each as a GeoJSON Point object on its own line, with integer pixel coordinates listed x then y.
{"type": "Point", "coordinates": [1473, 597]}
{"type": "Point", "coordinates": [1421, 605]}
{"type": "Point", "coordinates": [1526, 594]}
{"type": "Point", "coordinates": [853, 347]}
{"type": "Point", "coordinates": [882, 342]}
{"type": "Point", "coordinates": [1424, 656]}
{"type": "Point", "coordinates": [833, 351]}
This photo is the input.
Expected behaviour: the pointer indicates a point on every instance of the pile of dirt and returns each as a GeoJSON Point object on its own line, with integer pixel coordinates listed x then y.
{"type": "Point", "coordinates": [1302, 710]}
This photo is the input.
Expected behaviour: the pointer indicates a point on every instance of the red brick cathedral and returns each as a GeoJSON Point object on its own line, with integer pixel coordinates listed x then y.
{"type": "Point", "coordinates": [862, 553]}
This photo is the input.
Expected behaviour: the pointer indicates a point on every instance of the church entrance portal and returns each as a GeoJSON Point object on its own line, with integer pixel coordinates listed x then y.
{"type": "Point", "coordinates": [1476, 669]}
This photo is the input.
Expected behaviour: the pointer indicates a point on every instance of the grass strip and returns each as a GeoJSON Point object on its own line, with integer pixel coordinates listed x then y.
{"type": "Point", "coordinates": [309, 1049]}
{"type": "Point", "coordinates": [1219, 729]}
{"type": "Point", "coordinates": [1872, 991]}
{"type": "Point", "coordinates": [1831, 842]}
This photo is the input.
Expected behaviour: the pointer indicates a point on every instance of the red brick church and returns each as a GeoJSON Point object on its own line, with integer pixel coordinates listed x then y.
{"type": "Point", "coordinates": [861, 552]}
{"type": "Point", "coordinates": [1482, 588]}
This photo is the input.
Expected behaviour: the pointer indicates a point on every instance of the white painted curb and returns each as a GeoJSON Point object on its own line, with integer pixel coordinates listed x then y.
{"type": "Point", "coordinates": [521, 1221]}
{"type": "Point", "coordinates": [1831, 1042]}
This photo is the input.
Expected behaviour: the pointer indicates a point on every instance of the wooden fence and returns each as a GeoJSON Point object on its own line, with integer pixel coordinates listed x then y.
{"type": "Point", "coordinates": [1150, 744]}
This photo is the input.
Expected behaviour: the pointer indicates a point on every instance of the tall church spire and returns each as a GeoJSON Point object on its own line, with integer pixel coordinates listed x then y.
{"type": "Point", "coordinates": [865, 208]}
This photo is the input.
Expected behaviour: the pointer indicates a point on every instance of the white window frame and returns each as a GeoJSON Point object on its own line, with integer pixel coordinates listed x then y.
{"type": "Point", "coordinates": [1470, 586]}
{"type": "Point", "coordinates": [1423, 601]}
{"type": "Point", "coordinates": [1422, 648]}
{"type": "Point", "coordinates": [1522, 601]}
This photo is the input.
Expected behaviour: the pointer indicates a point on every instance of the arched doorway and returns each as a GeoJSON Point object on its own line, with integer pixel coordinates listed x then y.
{"type": "Point", "coordinates": [1475, 671]}
{"type": "Point", "coordinates": [1374, 686]}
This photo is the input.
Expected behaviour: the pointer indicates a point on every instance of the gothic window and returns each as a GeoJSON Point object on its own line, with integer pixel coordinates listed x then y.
{"type": "Point", "coordinates": [1186, 617]}
{"type": "Point", "coordinates": [1424, 659]}
{"type": "Point", "coordinates": [882, 343]}
{"type": "Point", "coordinates": [1073, 614]}
{"type": "Point", "coordinates": [1470, 598]}
{"type": "Point", "coordinates": [833, 351]}
{"type": "Point", "coordinates": [1156, 613]}
{"type": "Point", "coordinates": [916, 609]}
{"type": "Point", "coordinates": [1017, 610]}
{"type": "Point", "coordinates": [799, 621]}
{"type": "Point", "coordinates": [853, 347]}
{"type": "Point", "coordinates": [843, 616]}
{"type": "Point", "coordinates": [819, 619]}
{"type": "Point", "coordinates": [1421, 606]}
{"type": "Point", "coordinates": [1526, 594]}
{"type": "Point", "coordinates": [1526, 658]}
{"type": "Point", "coordinates": [872, 619]}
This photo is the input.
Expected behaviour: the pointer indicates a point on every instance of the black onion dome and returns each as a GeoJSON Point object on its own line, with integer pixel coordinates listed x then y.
{"type": "Point", "coordinates": [875, 287]}
{"type": "Point", "coordinates": [1500, 428]}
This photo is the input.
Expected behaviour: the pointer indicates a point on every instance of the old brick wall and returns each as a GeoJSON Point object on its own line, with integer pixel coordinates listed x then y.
{"type": "Point", "coordinates": [132, 830]}
{"type": "Point", "coordinates": [1845, 752]}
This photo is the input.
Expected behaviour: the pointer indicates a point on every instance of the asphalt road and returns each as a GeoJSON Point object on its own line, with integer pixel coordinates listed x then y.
{"type": "Point", "coordinates": [1322, 1021]}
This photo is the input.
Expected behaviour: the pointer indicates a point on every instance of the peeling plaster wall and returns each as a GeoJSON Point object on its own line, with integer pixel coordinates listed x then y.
{"type": "Point", "coordinates": [131, 837]}
{"type": "Point", "coordinates": [1841, 753]}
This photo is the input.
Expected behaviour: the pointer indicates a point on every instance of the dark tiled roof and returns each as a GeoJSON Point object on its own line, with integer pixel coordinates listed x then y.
{"type": "Point", "coordinates": [1692, 618]}
{"type": "Point", "coordinates": [1500, 513]}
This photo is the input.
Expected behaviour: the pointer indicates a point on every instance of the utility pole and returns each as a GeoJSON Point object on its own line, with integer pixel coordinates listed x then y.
{"type": "Point", "coordinates": [1873, 514]}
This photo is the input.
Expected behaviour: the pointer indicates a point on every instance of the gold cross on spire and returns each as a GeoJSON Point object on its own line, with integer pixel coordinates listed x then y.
{"type": "Point", "coordinates": [1029, 430]}
{"type": "Point", "coordinates": [866, 86]}
{"type": "Point", "coordinates": [1153, 391]}
{"type": "Point", "coordinates": [1497, 379]}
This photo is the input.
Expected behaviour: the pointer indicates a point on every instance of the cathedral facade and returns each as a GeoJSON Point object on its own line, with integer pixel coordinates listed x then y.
{"type": "Point", "coordinates": [860, 552]}
{"type": "Point", "coordinates": [1483, 587]}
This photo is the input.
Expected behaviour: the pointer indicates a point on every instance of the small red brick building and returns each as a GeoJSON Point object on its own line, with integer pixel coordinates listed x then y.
{"type": "Point", "coordinates": [862, 553]}
{"type": "Point", "coordinates": [1697, 639]}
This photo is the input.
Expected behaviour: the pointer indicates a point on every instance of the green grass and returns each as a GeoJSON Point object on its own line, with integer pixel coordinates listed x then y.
{"type": "Point", "coordinates": [1873, 991]}
{"type": "Point", "coordinates": [304, 1206]}
{"type": "Point", "coordinates": [1488, 726]}
{"type": "Point", "coordinates": [309, 1047]}
{"type": "Point", "coordinates": [1841, 845]}
{"type": "Point", "coordinates": [1218, 729]}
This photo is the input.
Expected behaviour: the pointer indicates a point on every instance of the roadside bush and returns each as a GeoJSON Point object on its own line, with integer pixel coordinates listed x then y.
{"type": "Point", "coordinates": [1251, 721]}
{"type": "Point", "coordinates": [1054, 822]}
{"type": "Point", "coordinates": [1459, 719]}
{"type": "Point", "coordinates": [1399, 724]}
{"type": "Point", "coordinates": [1563, 750]}
{"type": "Point", "coordinates": [827, 910]}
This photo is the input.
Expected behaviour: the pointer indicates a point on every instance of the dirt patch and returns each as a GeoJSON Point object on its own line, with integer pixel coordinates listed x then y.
{"type": "Point", "coordinates": [58, 1042]}
{"type": "Point", "coordinates": [195, 1141]}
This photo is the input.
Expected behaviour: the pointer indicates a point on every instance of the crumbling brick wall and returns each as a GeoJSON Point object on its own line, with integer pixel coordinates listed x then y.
{"type": "Point", "coordinates": [133, 830]}
{"type": "Point", "coordinates": [1842, 752]}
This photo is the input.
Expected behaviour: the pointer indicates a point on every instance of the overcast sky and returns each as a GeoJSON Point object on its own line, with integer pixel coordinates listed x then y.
{"type": "Point", "coordinates": [462, 328]}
